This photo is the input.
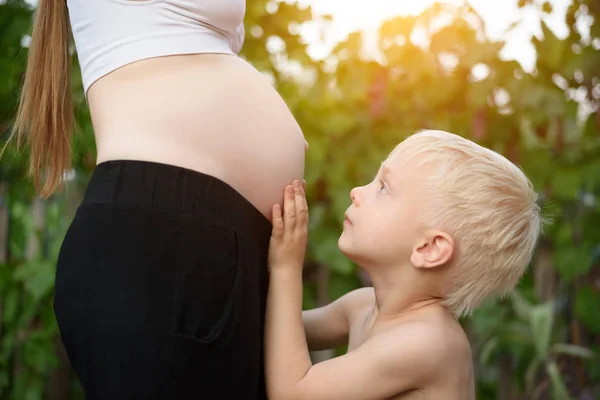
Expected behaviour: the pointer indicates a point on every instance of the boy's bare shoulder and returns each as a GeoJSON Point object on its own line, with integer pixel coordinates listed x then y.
{"type": "Point", "coordinates": [355, 301]}
{"type": "Point", "coordinates": [365, 295]}
{"type": "Point", "coordinates": [431, 342]}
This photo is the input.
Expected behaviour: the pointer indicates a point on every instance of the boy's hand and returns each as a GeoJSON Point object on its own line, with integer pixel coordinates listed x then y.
{"type": "Point", "coordinates": [290, 231]}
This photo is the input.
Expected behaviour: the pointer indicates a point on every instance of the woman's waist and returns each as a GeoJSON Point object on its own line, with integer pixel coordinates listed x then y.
{"type": "Point", "coordinates": [258, 170]}
{"type": "Point", "coordinates": [174, 194]}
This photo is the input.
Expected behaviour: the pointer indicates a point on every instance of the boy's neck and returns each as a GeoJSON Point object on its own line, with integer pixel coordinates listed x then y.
{"type": "Point", "coordinates": [400, 291]}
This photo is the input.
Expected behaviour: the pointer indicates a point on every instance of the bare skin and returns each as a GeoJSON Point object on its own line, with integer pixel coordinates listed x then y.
{"type": "Point", "coordinates": [211, 113]}
{"type": "Point", "coordinates": [440, 352]}
{"type": "Point", "coordinates": [402, 342]}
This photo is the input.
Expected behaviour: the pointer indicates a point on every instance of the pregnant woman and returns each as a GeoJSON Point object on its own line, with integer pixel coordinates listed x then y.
{"type": "Point", "coordinates": [161, 280]}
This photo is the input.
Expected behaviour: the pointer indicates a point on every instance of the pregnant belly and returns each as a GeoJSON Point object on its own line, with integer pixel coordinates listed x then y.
{"type": "Point", "coordinates": [210, 113]}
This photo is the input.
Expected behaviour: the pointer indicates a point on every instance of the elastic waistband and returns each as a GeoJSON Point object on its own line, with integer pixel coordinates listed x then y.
{"type": "Point", "coordinates": [171, 189]}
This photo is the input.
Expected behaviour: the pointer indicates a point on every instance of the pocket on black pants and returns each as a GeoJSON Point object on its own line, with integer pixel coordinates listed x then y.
{"type": "Point", "coordinates": [207, 278]}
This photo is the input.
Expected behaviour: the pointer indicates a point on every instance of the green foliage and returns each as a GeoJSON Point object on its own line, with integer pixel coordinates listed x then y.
{"type": "Point", "coordinates": [586, 307]}
{"type": "Point", "coordinates": [29, 331]}
{"type": "Point", "coordinates": [541, 343]}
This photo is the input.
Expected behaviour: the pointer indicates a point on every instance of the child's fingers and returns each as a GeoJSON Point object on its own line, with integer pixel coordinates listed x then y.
{"type": "Point", "coordinates": [289, 209]}
{"type": "Point", "coordinates": [277, 221]}
{"type": "Point", "coordinates": [300, 202]}
{"type": "Point", "coordinates": [305, 211]}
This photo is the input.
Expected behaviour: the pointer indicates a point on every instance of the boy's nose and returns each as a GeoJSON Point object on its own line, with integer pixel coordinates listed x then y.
{"type": "Point", "coordinates": [354, 196]}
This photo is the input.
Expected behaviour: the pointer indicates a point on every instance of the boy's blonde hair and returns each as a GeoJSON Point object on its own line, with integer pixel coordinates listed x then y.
{"type": "Point", "coordinates": [489, 207]}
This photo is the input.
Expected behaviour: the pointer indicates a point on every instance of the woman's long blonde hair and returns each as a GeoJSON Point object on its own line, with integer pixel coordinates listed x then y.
{"type": "Point", "coordinates": [45, 117]}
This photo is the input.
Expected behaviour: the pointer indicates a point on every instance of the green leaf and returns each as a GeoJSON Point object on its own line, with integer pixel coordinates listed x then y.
{"type": "Point", "coordinates": [4, 380]}
{"type": "Point", "coordinates": [11, 304]}
{"type": "Point", "coordinates": [541, 320]}
{"type": "Point", "coordinates": [520, 305]}
{"type": "Point", "coordinates": [339, 285]}
{"type": "Point", "coordinates": [516, 332]}
{"type": "Point", "coordinates": [5, 277]}
{"type": "Point", "coordinates": [29, 387]}
{"type": "Point", "coordinates": [587, 302]}
{"type": "Point", "coordinates": [566, 183]}
{"type": "Point", "coordinates": [592, 366]}
{"type": "Point", "coordinates": [487, 319]}
{"type": "Point", "coordinates": [559, 390]}
{"type": "Point", "coordinates": [534, 97]}
{"type": "Point", "coordinates": [564, 234]}
{"type": "Point", "coordinates": [590, 175]}
{"type": "Point", "coordinates": [531, 373]}
{"type": "Point", "coordinates": [37, 277]}
{"type": "Point", "coordinates": [8, 344]}
{"type": "Point", "coordinates": [326, 251]}
{"type": "Point", "coordinates": [551, 49]}
{"type": "Point", "coordinates": [538, 165]}
{"type": "Point", "coordinates": [38, 352]}
{"type": "Point", "coordinates": [572, 350]}
{"type": "Point", "coordinates": [572, 261]}
{"type": "Point", "coordinates": [488, 349]}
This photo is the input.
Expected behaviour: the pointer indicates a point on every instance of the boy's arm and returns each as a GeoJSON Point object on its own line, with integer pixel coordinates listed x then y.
{"type": "Point", "coordinates": [382, 367]}
{"type": "Point", "coordinates": [328, 327]}
{"type": "Point", "coordinates": [285, 340]}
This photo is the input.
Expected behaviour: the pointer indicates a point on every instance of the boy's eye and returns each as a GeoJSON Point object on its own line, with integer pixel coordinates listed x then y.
{"type": "Point", "coordinates": [382, 188]}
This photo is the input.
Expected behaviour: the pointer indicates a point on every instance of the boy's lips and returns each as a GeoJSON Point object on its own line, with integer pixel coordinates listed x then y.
{"type": "Point", "coordinates": [347, 220]}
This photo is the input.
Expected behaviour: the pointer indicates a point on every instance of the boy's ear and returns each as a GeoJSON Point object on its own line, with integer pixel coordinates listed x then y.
{"type": "Point", "coordinates": [434, 250]}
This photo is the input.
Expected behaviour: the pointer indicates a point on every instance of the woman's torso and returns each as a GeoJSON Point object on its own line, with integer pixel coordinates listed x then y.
{"type": "Point", "coordinates": [212, 113]}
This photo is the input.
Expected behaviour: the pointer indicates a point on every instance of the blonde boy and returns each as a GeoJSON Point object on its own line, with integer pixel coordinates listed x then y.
{"type": "Point", "coordinates": [445, 224]}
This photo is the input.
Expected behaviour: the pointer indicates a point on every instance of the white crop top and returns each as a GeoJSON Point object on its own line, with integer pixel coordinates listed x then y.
{"type": "Point", "coordinates": [112, 33]}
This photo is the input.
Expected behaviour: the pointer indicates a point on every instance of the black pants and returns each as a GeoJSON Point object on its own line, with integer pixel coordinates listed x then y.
{"type": "Point", "coordinates": [161, 286]}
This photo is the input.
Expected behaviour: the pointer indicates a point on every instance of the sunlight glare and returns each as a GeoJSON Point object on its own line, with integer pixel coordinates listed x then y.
{"type": "Point", "coordinates": [351, 15]}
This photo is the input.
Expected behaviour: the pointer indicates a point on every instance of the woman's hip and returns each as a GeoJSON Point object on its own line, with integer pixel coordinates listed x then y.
{"type": "Point", "coordinates": [169, 264]}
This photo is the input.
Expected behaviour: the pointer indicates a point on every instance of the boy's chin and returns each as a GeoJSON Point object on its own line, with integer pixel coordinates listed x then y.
{"type": "Point", "coordinates": [347, 250]}
{"type": "Point", "coordinates": [362, 259]}
{"type": "Point", "coordinates": [344, 246]}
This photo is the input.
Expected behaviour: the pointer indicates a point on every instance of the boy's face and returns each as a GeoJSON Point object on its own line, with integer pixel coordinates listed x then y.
{"type": "Point", "coordinates": [382, 225]}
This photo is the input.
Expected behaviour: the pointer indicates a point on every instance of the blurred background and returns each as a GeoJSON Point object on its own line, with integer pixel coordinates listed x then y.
{"type": "Point", "coordinates": [521, 77]}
